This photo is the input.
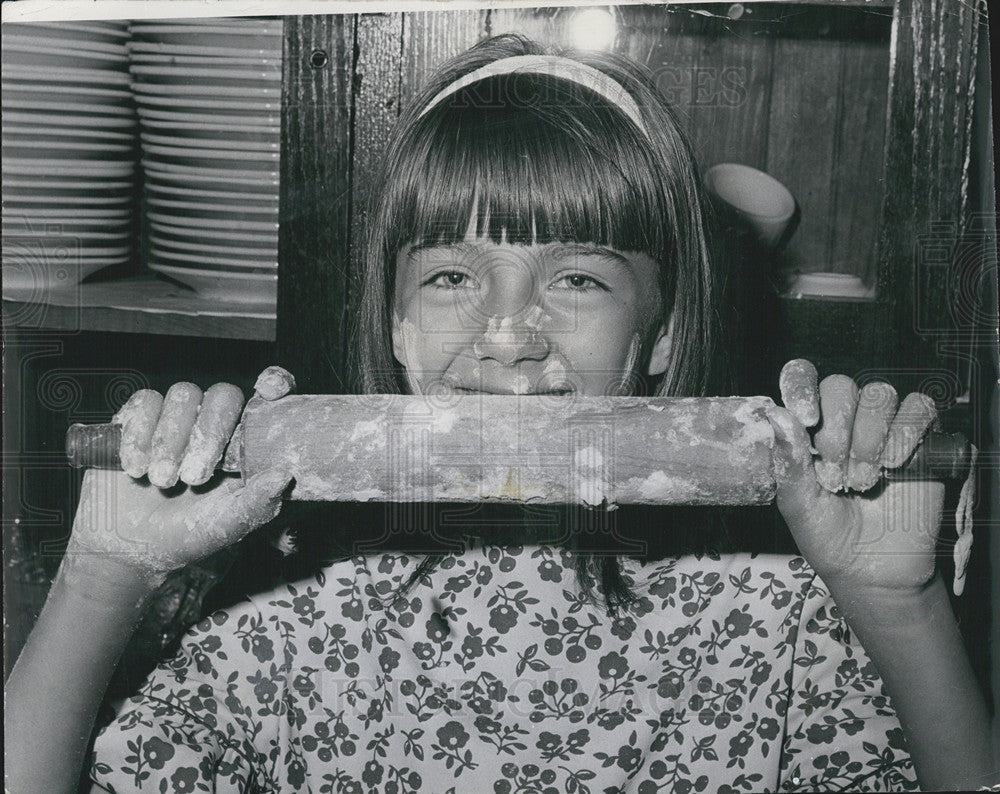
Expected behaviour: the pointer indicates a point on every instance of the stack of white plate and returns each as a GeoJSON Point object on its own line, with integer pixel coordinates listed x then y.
{"type": "Point", "coordinates": [69, 152]}
{"type": "Point", "coordinates": [209, 101]}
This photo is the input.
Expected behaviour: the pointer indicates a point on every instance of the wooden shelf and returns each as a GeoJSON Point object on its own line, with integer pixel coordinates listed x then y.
{"type": "Point", "coordinates": [138, 304]}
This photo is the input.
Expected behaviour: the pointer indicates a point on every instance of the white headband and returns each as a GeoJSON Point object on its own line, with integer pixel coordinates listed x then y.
{"type": "Point", "coordinates": [554, 66]}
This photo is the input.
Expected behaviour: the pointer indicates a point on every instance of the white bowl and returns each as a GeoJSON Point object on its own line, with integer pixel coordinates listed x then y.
{"type": "Point", "coordinates": [830, 285]}
{"type": "Point", "coordinates": [765, 203]}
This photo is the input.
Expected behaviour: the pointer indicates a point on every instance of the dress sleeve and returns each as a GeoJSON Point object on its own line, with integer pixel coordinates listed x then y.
{"type": "Point", "coordinates": [841, 731]}
{"type": "Point", "coordinates": [185, 730]}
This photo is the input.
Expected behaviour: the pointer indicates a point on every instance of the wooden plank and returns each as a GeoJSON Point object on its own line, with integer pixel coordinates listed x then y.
{"type": "Point", "coordinates": [930, 101]}
{"type": "Point", "coordinates": [859, 156]}
{"type": "Point", "coordinates": [139, 304]}
{"type": "Point", "coordinates": [314, 237]}
{"type": "Point", "coordinates": [667, 41]}
{"type": "Point", "coordinates": [432, 37]}
{"type": "Point", "coordinates": [800, 142]}
{"type": "Point", "coordinates": [375, 101]}
{"type": "Point", "coordinates": [731, 93]}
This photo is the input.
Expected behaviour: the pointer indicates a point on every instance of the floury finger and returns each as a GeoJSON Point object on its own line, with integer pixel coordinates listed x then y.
{"type": "Point", "coordinates": [180, 411]}
{"type": "Point", "coordinates": [217, 417]}
{"type": "Point", "coordinates": [798, 383]}
{"type": "Point", "coordinates": [876, 407]}
{"type": "Point", "coordinates": [138, 418]}
{"type": "Point", "coordinates": [915, 416]}
{"type": "Point", "coordinates": [838, 395]}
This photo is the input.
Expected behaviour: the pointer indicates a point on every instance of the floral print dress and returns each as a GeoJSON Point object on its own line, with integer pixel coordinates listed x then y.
{"type": "Point", "coordinates": [494, 674]}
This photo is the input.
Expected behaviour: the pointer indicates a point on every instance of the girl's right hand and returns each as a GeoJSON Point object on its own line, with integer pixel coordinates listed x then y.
{"type": "Point", "coordinates": [169, 507]}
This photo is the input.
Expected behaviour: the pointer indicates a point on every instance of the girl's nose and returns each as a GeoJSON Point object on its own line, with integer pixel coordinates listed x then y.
{"type": "Point", "coordinates": [510, 306]}
{"type": "Point", "coordinates": [509, 342]}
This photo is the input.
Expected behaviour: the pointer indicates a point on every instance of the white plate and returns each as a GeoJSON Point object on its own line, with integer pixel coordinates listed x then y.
{"type": "Point", "coordinates": [14, 199]}
{"type": "Point", "coordinates": [194, 144]}
{"type": "Point", "coordinates": [68, 95]}
{"type": "Point", "coordinates": [236, 207]}
{"type": "Point", "coordinates": [247, 107]}
{"type": "Point", "coordinates": [91, 168]}
{"type": "Point", "coordinates": [74, 110]}
{"type": "Point", "coordinates": [215, 223]}
{"type": "Point", "coordinates": [211, 127]}
{"type": "Point", "coordinates": [263, 240]}
{"type": "Point", "coordinates": [47, 43]}
{"type": "Point", "coordinates": [223, 286]}
{"type": "Point", "coordinates": [204, 61]}
{"type": "Point", "coordinates": [18, 132]}
{"type": "Point", "coordinates": [208, 89]}
{"type": "Point", "coordinates": [109, 32]}
{"type": "Point", "coordinates": [208, 137]}
{"type": "Point", "coordinates": [225, 176]}
{"type": "Point", "coordinates": [220, 72]}
{"type": "Point", "coordinates": [213, 158]}
{"type": "Point", "coordinates": [31, 56]}
{"type": "Point", "coordinates": [79, 123]}
{"type": "Point", "coordinates": [194, 194]}
{"type": "Point", "coordinates": [57, 76]}
{"type": "Point", "coordinates": [253, 121]}
{"type": "Point", "coordinates": [68, 213]}
{"type": "Point", "coordinates": [254, 257]}
{"type": "Point", "coordinates": [54, 185]}
{"type": "Point", "coordinates": [44, 151]}
{"type": "Point", "coordinates": [230, 180]}
{"type": "Point", "coordinates": [138, 47]}
{"type": "Point", "coordinates": [207, 260]}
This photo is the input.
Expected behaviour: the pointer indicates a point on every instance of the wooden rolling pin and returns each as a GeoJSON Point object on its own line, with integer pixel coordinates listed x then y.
{"type": "Point", "coordinates": [596, 450]}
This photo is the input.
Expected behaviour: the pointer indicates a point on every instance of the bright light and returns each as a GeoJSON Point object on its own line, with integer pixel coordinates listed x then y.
{"type": "Point", "coordinates": [593, 29]}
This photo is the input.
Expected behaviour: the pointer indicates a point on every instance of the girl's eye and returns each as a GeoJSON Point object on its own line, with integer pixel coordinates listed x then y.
{"type": "Point", "coordinates": [578, 282]}
{"type": "Point", "coordinates": [450, 279]}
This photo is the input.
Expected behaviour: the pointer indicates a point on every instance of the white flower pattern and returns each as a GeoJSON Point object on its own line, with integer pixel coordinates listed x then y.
{"type": "Point", "coordinates": [733, 674]}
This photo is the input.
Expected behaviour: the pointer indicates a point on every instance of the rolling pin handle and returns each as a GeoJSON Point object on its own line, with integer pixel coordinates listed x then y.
{"type": "Point", "coordinates": [94, 446]}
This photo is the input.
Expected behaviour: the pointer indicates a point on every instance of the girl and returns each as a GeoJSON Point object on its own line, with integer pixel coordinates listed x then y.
{"type": "Point", "coordinates": [538, 229]}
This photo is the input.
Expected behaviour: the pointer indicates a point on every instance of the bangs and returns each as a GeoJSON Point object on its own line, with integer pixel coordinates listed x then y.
{"type": "Point", "coordinates": [528, 159]}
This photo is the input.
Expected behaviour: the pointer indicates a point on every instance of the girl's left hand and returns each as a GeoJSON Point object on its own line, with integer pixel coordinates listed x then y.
{"type": "Point", "coordinates": [855, 529]}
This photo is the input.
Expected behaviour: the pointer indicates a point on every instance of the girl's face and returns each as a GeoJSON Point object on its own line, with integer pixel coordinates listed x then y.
{"type": "Point", "coordinates": [483, 317]}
